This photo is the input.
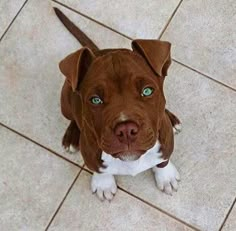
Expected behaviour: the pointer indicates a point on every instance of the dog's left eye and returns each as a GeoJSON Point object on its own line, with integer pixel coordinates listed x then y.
{"type": "Point", "coordinates": [147, 91]}
{"type": "Point", "coordinates": [96, 100]}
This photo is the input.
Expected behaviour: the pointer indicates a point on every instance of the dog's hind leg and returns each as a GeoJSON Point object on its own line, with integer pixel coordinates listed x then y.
{"type": "Point", "coordinates": [176, 124]}
{"type": "Point", "coordinates": [71, 138]}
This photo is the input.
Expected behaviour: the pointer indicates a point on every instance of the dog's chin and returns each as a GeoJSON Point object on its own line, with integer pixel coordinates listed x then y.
{"type": "Point", "coordinates": [128, 155]}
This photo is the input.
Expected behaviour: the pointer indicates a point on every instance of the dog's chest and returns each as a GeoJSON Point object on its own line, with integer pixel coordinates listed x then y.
{"type": "Point", "coordinates": [119, 167]}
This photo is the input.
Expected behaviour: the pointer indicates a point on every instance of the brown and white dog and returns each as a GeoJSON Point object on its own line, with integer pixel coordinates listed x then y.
{"type": "Point", "coordinates": [115, 101]}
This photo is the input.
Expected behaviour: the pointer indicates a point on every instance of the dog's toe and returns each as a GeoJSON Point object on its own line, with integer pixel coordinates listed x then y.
{"type": "Point", "coordinates": [177, 128]}
{"type": "Point", "coordinates": [174, 184]}
{"type": "Point", "coordinates": [71, 149]}
{"type": "Point", "coordinates": [108, 195]}
{"type": "Point", "coordinates": [99, 193]}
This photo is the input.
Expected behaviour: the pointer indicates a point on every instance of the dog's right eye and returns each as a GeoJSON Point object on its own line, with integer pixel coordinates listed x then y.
{"type": "Point", "coordinates": [96, 100]}
{"type": "Point", "coordinates": [147, 91]}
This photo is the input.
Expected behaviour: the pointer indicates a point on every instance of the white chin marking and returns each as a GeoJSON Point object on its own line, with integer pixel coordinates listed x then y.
{"type": "Point", "coordinates": [104, 185]}
{"type": "Point", "coordinates": [148, 160]}
{"type": "Point", "coordinates": [167, 178]}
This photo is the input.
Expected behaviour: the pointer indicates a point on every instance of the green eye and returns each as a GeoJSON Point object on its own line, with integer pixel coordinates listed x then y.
{"type": "Point", "coordinates": [147, 91]}
{"type": "Point", "coordinates": [96, 100]}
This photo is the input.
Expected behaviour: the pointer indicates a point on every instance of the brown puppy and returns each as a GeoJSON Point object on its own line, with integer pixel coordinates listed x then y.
{"type": "Point", "coordinates": [114, 99]}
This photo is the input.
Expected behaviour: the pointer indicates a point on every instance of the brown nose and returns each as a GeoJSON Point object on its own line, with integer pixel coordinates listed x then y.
{"type": "Point", "coordinates": [126, 132]}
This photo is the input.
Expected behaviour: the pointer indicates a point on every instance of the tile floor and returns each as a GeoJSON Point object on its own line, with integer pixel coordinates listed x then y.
{"type": "Point", "coordinates": [44, 188]}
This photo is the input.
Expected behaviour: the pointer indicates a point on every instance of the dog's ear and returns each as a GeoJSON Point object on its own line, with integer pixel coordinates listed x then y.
{"type": "Point", "coordinates": [156, 53]}
{"type": "Point", "coordinates": [76, 65]}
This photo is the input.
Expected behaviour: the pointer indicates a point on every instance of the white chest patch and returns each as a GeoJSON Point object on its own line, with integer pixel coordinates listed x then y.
{"type": "Point", "coordinates": [119, 167]}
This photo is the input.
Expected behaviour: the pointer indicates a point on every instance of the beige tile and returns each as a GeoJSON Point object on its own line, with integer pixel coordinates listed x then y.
{"type": "Point", "coordinates": [204, 37]}
{"type": "Point", "coordinates": [230, 224]}
{"type": "Point", "coordinates": [135, 18]}
{"type": "Point", "coordinates": [204, 152]}
{"type": "Point", "coordinates": [83, 211]}
{"type": "Point", "coordinates": [8, 10]}
{"type": "Point", "coordinates": [103, 38]}
{"type": "Point", "coordinates": [33, 183]}
{"type": "Point", "coordinates": [30, 78]}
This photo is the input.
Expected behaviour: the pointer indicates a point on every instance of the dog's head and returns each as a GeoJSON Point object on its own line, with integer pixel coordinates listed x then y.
{"type": "Point", "coordinates": [121, 94]}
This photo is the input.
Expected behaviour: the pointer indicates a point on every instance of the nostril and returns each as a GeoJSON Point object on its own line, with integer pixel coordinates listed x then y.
{"type": "Point", "coordinates": [133, 132]}
{"type": "Point", "coordinates": [119, 132]}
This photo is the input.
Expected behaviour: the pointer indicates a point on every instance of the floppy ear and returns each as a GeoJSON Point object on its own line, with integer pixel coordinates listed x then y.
{"type": "Point", "coordinates": [75, 66]}
{"type": "Point", "coordinates": [156, 53]}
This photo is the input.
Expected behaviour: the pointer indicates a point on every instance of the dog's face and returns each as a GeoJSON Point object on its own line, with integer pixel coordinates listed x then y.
{"type": "Point", "coordinates": [122, 96]}
{"type": "Point", "coordinates": [122, 102]}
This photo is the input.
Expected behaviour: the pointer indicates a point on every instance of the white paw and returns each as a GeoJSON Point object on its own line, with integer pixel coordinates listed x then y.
{"type": "Point", "coordinates": [167, 178]}
{"type": "Point", "coordinates": [104, 185]}
{"type": "Point", "coordinates": [177, 128]}
{"type": "Point", "coordinates": [71, 149]}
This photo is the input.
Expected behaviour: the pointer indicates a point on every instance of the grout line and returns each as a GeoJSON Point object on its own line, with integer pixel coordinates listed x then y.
{"type": "Point", "coordinates": [207, 76]}
{"type": "Point", "coordinates": [64, 198]}
{"type": "Point", "coordinates": [87, 170]}
{"type": "Point", "coordinates": [170, 19]}
{"type": "Point", "coordinates": [227, 215]}
{"type": "Point", "coordinates": [92, 19]}
{"type": "Point", "coordinates": [151, 205]}
{"type": "Point", "coordinates": [40, 145]}
{"type": "Point", "coordinates": [13, 20]}
{"type": "Point", "coordinates": [159, 209]}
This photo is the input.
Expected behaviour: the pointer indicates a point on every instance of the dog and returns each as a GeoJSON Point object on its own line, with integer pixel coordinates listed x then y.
{"type": "Point", "coordinates": [115, 102]}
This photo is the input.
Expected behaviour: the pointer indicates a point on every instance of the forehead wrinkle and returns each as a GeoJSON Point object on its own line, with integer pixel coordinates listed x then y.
{"type": "Point", "coordinates": [116, 63]}
{"type": "Point", "coordinates": [117, 67]}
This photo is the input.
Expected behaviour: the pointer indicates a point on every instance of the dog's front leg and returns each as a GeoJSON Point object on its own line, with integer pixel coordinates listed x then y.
{"type": "Point", "coordinates": [71, 138]}
{"type": "Point", "coordinates": [166, 177]}
{"type": "Point", "coordinates": [104, 185]}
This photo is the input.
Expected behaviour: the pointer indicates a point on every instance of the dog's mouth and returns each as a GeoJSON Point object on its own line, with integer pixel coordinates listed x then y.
{"type": "Point", "coordinates": [129, 155]}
